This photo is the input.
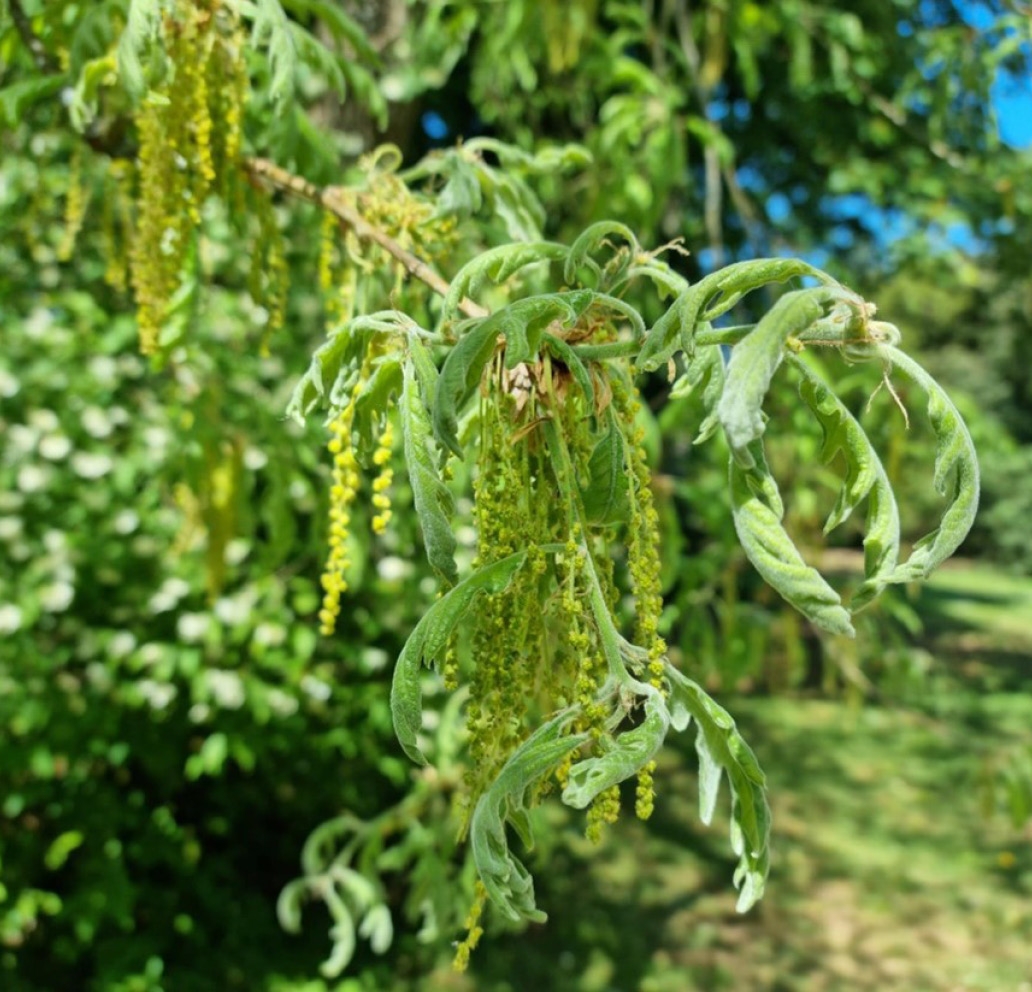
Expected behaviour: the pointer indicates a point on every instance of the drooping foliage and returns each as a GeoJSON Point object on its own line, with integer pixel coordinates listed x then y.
{"type": "Point", "coordinates": [508, 365]}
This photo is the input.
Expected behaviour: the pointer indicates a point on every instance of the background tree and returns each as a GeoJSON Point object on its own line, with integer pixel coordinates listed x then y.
{"type": "Point", "coordinates": [151, 722]}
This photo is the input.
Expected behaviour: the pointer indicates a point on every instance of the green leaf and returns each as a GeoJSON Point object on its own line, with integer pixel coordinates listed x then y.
{"type": "Point", "coordinates": [459, 377]}
{"type": "Point", "coordinates": [605, 493]}
{"type": "Point", "coordinates": [432, 498]}
{"type": "Point", "coordinates": [288, 905]}
{"type": "Point", "coordinates": [757, 509]}
{"type": "Point", "coordinates": [374, 400]}
{"type": "Point", "coordinates": [956, 473]}
{"type": "Point", "coordinates": [506, 879]}
{"type": "Point", "coordinates": [16, 98]}
{"type": "Point", "coordinates": [590, 240]}
{"type": "Point", "coordinates": [272, 28]}
{"type": "Point", "coordinates": [498, 265]}
{"type": "Point", "coordinates": [378, 928]}
{"type": "Point", "coordinates": [722, 749]}
{"type": "Point", "coordinates": [94, 74]}
{"type": "Point", "coordinates": [705, 371]}
{"type": "Point", "coordinates": [429, 639]}
{"type": "Point", "coordinates": [524, 322]}
{"type": "Point", "coordinates": [335, 361]}
{"type": "Point", "coordinates": [866, 478]}
{"type": "Point", "coordinates": [561, 350]}
{"type": "Point", "coordinates": [629, 754]}
{"type": "Point", "coordinates": [754, 361]}
{"type": "Point", "coordinates": [142, 27]}
{"type": "Point", "coordinates": [709, 298]}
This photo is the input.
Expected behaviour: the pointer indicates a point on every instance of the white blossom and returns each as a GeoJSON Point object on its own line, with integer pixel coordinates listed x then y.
{"type": "Point", "coordinates": [191, 628]}
{"type": "Point", "coordinates": [226, 688]}
{"type": "Point", "coordinates": [319, 690]}
{"type": "Point", "coordinates": [56, 597]}
{"type": "Point", "coordinates": [54, 447]}
{"type": "Point", "coordinates": [10, 618]}
{"type": "Point", "coordinates": [91, 464]}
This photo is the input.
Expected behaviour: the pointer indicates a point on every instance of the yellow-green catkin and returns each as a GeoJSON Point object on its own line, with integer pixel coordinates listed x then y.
{"type": "Point", "coordinates": [76, 200]}
{"type": "Point", "coordinates": [644, 568]}
{"type": "Point", "coordinates": [268, 281]}
{"type": "Point", "coordinates": [382, 482]}
{"type": "Point", "coordinates": [343, 490]}
{"type": "Point", "coordinates": [604, 810]}
{"type": "Point", "coordinates": [189, 133]}
{"type": "Point", "coordinates": [115, 225]}
{"type": "Point", "coordinates": [474, 931]}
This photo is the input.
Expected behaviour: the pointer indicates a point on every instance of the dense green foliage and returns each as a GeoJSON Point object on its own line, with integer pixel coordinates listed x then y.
{"type": "Point", "coordinates": [474, 322]}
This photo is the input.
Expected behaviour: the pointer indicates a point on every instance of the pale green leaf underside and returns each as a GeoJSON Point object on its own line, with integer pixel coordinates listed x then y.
{"type": "Point", "coordinates": [629, 753]}
{"type": "Point", "coordinates": [432, 498]}
{"type": "Point", "coordinates": [754, 361]}
{"type": "Point", "coordinates": [956, 473]}
{"type": "Point", "coordinates": [427, 642]}
{"type": "Point", "coordinates": [505, 877]}
{"type": "Point", "coordinates": [722, 749]}
{"type": "Point", "coordinates": [757, 511]}
{"type": "Point", "coordinates": [865, 478]}
{"type": "Point", "coordinates": [709, 298]}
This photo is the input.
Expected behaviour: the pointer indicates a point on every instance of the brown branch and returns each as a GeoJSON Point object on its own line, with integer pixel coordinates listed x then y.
{"type": "Point", "coordinates": [29, 38]}
{"type": "Point", "coordinates": [332, 198]}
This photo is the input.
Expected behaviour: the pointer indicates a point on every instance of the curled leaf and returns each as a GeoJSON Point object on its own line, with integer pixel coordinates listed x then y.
{"type": "Point", "coordinates": [460, 375]}
{"type": "Point", "coordinates": [561, 350]}
{"type": "Point", "coordinates": [866, 478]}
{"type": "Point", "coordinates": [505, 877]}
{"type": "Point", "coordinates": [755, 359]}
{"type": "Point", "coordinates": [432, 498]}
{"type": "Point", "coordinates": [378, 928]}
{"type": "Point", "coordinates": [756, 505]}
{"type": "Point", "coordinates": [590, 240]}
{"type": "Point", "coordinates": [956, 474]}
{"type": "Point", "coordinates": [498, 265]}
{"type": "Point", "coordinates": [709, 298]}
{"type": "Point", "coordinates": [631, 751]}
{"type": "Point", "coordinates": [722, 749]}
{"type": "Point", "coordinates": [429, 639]}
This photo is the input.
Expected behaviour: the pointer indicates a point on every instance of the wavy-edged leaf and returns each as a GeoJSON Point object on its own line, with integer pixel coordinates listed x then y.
{"type": "Point", "coordinates": [722, 749]}
{"type": "Point", "coordinates": [498, 265]}
{"type": "Point", "coordinates": [866, 478]}
{"type": "Point", "coordinates": [374, 400]}
{"type": "Point", "coordinates": [755, 359]}
{"type": "Point", "coordinates": [605, 494]}
{"type": "Point", "coordinates": [432, 498]}
{"type": "Point", "coordinates": [507, 799]}
{"type": "Point", "coordinates": [142, 27]}
{"type": "Point", "coordinates": [272, 28]}
{"type": "Point", "coordinates": [709, 298]}
{"type": "Point", "coordinates": [378, 928]}
{"type": "Point", "coordinates": [524, 322]}
{"type": "Point", "coordinates": [706, 371]}
{"type": "Point", "coordinates": [340, 355]}
{"type": "Point", "coordinates": [428, 641]}
{"type": "Point", "coordinates": [459, 376]}
{"type": "Point", "coordinates": [590, 240]}
{"type": "Point", "coordinates": [630, 752]}
{"type": "Point", "coordinates": [16, 98]}
{"type": "Point", "coordinates": [757, 510]}
{"type": "Point", "coordinates": [956, 473]}
{"type": "Point", "coordinates": [562, 350]}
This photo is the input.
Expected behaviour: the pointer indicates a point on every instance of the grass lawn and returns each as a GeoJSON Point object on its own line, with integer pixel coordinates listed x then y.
{"type": "Point", "coordinates": [890, 870]}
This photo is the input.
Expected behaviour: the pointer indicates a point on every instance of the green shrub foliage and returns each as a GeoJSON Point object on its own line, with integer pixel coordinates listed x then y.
{"type": "Point", "coordinates": [497, 373]}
